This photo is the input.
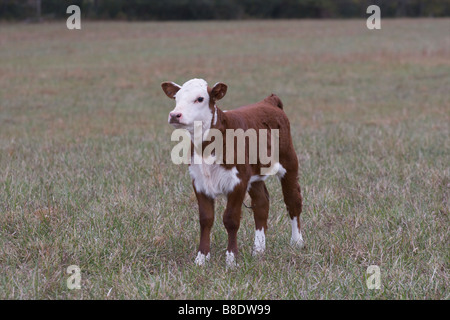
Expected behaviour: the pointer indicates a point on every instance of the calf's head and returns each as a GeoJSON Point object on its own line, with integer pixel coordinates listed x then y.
{"type": "Point", "coordinates": [195, 101]}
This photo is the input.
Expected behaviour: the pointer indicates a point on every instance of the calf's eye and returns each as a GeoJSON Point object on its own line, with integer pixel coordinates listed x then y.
{"type": "Point", "coordinates": [200, 99]}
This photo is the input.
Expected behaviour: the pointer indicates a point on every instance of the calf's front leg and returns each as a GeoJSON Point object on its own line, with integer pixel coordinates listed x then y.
{"type": "Point", "coordinates": [206, 217]}
{"type": "Point", "coordinates": [232, 220]}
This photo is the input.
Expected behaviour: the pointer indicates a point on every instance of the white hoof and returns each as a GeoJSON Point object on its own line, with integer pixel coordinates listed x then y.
{"type": "Point", "coordinates": [296, 238]}
{"type": "Point", "coordinates": [230, 260]}
{"type": "Point", "coordinates": [260, 242]}
{"type": "Point", "coordinates": [298, 243]}
{"type": "Point", "coordinates": [201, 259]}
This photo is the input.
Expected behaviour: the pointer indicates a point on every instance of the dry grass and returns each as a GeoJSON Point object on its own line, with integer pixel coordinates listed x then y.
{"type": "Point", "coordinates": [86, 177]}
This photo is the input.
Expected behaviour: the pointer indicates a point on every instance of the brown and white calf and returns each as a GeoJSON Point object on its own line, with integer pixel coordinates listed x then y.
{"type": "Point", "coordinates": [196, 102]}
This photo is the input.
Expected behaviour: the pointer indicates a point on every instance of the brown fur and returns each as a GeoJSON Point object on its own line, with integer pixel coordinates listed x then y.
{"type": "Point", "coordinates": [266, 114]}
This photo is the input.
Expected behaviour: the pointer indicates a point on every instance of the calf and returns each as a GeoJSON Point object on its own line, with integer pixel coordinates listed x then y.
{"type": "Point", "coordinates": [196, 102]}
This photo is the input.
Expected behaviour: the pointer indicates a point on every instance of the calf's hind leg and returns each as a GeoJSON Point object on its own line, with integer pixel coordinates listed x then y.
{"type": "Point", "coordinates": [260, 206]}
{"type": "Point", "coordinates": [293, 200]}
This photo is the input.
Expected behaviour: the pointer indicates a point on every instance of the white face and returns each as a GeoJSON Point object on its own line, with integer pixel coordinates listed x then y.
{"type": "Point", "coordinates": [192, 104]}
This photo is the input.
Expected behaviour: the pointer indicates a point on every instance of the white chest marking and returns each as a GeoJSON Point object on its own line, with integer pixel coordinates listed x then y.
{"type": "Point", "coordinates": [213, 179]}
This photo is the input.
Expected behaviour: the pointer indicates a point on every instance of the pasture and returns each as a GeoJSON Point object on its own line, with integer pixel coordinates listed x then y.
{"type": "Point", "coordinates": [86, 177]}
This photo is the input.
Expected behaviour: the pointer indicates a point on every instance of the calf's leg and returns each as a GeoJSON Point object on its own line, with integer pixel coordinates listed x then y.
{"type": "Point", "coordinates": [232, 220]}
{"type": "Point", "coordinates": [293, 200]}
{"type": "Point", "coordinates": [206, 217]}
{"type": "Point", "coordinates": [260, 206]}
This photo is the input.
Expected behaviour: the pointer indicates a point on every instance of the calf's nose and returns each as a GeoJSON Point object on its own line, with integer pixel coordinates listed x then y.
{"type": "Point", "coordinates": [175, 115]}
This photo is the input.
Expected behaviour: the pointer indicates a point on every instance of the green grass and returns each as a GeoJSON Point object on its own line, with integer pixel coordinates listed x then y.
{"type": "Point", "coordinates": [86, 177]}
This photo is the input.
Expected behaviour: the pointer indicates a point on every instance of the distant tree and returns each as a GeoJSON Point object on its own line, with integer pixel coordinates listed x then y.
{"type": "Point", "coordinates": [401, 8]}
{"type": "Point", "coordinates": [220, 9]}
{"type": "Point", "coordinates": [15, 9]}
{"type": "Point", "coordinates": [436, 8]}
{"type": "Point", "coordinates": [38, 10]}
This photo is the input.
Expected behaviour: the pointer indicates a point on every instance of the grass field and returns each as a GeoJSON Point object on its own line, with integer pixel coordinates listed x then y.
{"type": "Point", "coordinates": [86, 177]}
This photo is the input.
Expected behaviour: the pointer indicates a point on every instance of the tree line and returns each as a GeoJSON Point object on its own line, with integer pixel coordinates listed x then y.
{"type": "Point", "coordinates": [219, 9]}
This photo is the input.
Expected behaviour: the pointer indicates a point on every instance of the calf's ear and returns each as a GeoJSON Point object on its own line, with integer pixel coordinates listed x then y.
{"type": "Point", "coordinates": [218, 91]}
{"type": "Point", "coordinates": [170, 88]}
